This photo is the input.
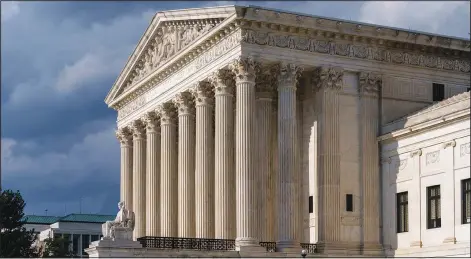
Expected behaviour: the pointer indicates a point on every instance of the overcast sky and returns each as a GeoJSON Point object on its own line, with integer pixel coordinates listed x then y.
{"type": "Point", "coordinates": [59, 60]}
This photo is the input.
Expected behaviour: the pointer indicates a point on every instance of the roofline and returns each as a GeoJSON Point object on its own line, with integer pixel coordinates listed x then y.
{"type": "Point", "coordinates": [72, 221]}
{"type": "Point", "coordinates": [356, 22]}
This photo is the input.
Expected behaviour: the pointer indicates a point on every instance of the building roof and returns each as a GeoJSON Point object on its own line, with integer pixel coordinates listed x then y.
{"type": "Point", "coordinates": [34, 219]}
{"type": "Point", "coordinates": [449, 109]}
{"type": "Point", "coordinates": [83, 218]}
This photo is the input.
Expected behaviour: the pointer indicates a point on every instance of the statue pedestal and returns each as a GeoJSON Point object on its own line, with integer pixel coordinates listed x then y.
{"type": "Point", "coordinates": [107, 247]}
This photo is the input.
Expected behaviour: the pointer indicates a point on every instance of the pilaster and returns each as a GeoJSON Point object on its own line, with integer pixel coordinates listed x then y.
{"type": "Point", "coordinates": [370, 87]}
{"type": "Point", "coordinates": [288, 213]}
{"type": "Point", "coordinates": [152, 121]}
{"type": "Point", "coordinates": [328, 81]}
{"type": "Point", "coordinates": [204, 173]}
{"type": "Point", "coordinates": [139, 177]}
{"type": "Point", "coordinates": [124, 136]}
{"type": "Point", "coordinates": [186, 164]}
{"type": "Point", "coordinates": [224, 177]}
{"type": "Point", "coordinates": [168, 170]}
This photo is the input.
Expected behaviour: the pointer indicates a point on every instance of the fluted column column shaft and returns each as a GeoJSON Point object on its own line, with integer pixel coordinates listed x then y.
{"type": "Point", "coordinates": [153, 175]}
{"type": "Point", "coordinates": [247, 228]}
{"type": "Point", "coordinates": [186, 165]}
{"type": "Point", "coordinates": [139, 178]}
{"type": "Point", "coordinates": [124, 136]}
{"type": "Point", "coordinates": [204, 172]}
{"type": "Point", "coordinates": [264, 165]}
{"type": "Point", "coordinates": [287, 151]}
{"type": "Point", "coordinates": [169, 187]}
{"type": "Point", "coordinates": [272, 203]}
{"type": "Point", "coordinates": [224, 176]}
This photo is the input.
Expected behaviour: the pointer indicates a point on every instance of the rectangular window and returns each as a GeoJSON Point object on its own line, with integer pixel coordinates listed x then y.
{"type": "Point", "coordinates": [75, 244]}
{"type": "Point", "coordinates": [349, 200]}
{"type": "Point", "coordinates": [438, 92]}
{"type": "Point", "coordinates": [402, 210]}
{"type": "Point", "coordinates": [466, 201]}
{"type": "Point", "coordinates": [94, 238]}
{"type": "Point", "coordinates": [85, 243]}
{"type": "Point", "coordinates": [311, 204]}
{"type": "Point", "coordinates": [434, 219]}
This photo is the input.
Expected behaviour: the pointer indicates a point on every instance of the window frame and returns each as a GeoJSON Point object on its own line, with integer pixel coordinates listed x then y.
{"type": "Point", "coordinates": [437, 221]}
{"type": "Point", "coordinates": [438, 92]}
{"type": "Point", "coordinates": [311, 204]}
{"type": "Point", "coordinates": [349, 198]}
{"type": "Point", "coordinates": [402, 205]}
{"type": "Point", "coordinates": [465, 219]}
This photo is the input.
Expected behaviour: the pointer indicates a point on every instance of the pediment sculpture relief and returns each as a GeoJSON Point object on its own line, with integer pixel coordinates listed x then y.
{"type": "Point", "coordinates": [168, 41]}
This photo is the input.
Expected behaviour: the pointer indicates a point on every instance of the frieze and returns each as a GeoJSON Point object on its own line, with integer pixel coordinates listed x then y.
{"type": "Point", "coordinates": [464, 149]}
{"type": "Point", "coordinates": [209, 56]}
{"type": "Point", "coordinates": [305, 43]}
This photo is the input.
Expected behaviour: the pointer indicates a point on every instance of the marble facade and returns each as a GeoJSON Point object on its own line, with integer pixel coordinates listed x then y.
{"type": "Point", "coordinates": [252, 124]}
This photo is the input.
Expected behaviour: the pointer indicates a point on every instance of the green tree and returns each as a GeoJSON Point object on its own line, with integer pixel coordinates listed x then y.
{"type": "Point", "coordinates": [15, 240]}
{"type": "Point", "coordinates": [56, 247]}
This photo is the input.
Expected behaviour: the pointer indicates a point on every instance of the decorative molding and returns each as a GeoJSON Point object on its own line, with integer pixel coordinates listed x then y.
{"type": "Point", "coordinates": [168, 113]}
{"type": "Point", "coordinates": [203, 92]}
{"type": "Point", "coordinates": [449, 240]}
{"type": "Point", "coordinates": [289, 75]}
{"type": "Point", "coordinates": [245, 69]}
{"type": "Point", "coordinates": [124, 136]}
{"type": "Point", "coordinates": [328, 78]}
{"type": "Point", "coordinates": [133, 102]}
{"type": "Point", "coordinates": [138, 129]}
{"type": "Point", "coordinates": [223, 82]}
{"type": "Point", "coordinates": [416, 153]}
{"type": "Point", "coordinates": [185, 103]}
{"type": "Point", "coordinates": [416, 243]}
{"type": "Point", "coordinates": [432, 157]}
{"type": "Point", "coordinates": [359, 51]}
{"type": "Point", "coordinates": [266, 81]}
{"type": "Point", "coordinates": [169, 39]}
{"type": "Point", "coordinates": [464, 149]}
{"type": "Point", "coordinates": [370, 83]}
{"type": "Point", "coordinates": [350, 220]}
{"type": "Point", "coordinates": [152, 121]}
{"type": "Point", "coordinates": [449, 144]}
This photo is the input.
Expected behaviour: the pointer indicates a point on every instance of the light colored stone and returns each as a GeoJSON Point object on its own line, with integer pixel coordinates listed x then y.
{"type": "Point", "coordinates": [139, 177]}
{"type": "Point", "coordinates": [324, 138]}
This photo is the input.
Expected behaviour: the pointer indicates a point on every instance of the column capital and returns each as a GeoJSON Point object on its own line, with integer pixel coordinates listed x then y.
{"type": "Point", "coordinates": [203, 93]}
{"type": "Point", "coordinates": [245, 69]}
{"type": "Point", "coordinates": [266, 81]}
{"type": "Point", "coordinates": [327, 77]}
{"type": "Point", "coordinates": [223, 82]}
{"type": "Point", "coordinates": [138, 129]}
{"type": "Point", "coordinates": [168, 113]}
{"type": "Point", "coordinates": [370, 83]}
{"type": "Point", "coordinates": [151, 120]}
{"type": "Point", "coordinates": [185, 103]}
{"type": "Point", "coordinates": [124, 136]}
{"type": "Point", "coordinates": [289, 75]}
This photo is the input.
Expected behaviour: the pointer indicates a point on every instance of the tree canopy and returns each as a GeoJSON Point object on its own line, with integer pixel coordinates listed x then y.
{"type": "Point", "coordinates": [15, 240]}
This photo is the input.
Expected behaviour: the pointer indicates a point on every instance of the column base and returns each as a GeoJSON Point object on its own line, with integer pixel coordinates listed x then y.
{"type": "Point", "coordinates": [339, 248]}
{"type": "Point", "coordinates": [248, 244]}
{"type": "Point", "coordinates": [374, 249]}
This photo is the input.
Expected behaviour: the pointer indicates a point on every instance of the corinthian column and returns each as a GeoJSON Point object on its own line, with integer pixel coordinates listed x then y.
{"type": "Point", "coordinates": [246, 200]}
{"type": "Point", "coordinates": [370, 85]}
{"type": "Point", "coordinates": [328, 80]}
{"type": "Point", "coordinates": [124, 136]}
{"type": "Point", "coordinates": [153, 174]}
{"type": "Point", "coordinates": [204, 176]}
{"type": "Point", "coordinates": [139, 178]}
{"type": "Point", "coordinates": [288, 219]}
{"type": "Point", "coordinates": [186, 164]}
{"type": "Point", "coordinates": [265, 85]}
{"type": "Point", "coordinates": [224, 177]}
{"type": "Point", "coordinates": [168, 171]}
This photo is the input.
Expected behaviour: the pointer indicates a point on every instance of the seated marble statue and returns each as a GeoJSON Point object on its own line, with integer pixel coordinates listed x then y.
{"type": "Point", "coordinates": [124, 220]}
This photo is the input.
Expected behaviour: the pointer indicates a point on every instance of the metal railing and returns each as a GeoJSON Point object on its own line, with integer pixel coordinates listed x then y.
{"type": "Point", "coordinates": [187, 243]}
{"type": "Point", "coordinates": [208, 244]}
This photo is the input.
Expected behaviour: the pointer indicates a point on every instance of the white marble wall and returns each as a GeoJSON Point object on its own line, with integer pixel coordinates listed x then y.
{"type": "Point", "coordinates": [439, 162]}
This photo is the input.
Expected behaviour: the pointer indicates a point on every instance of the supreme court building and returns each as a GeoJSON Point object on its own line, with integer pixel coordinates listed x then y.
{"type": "Point", "coordinates": [262, 126]}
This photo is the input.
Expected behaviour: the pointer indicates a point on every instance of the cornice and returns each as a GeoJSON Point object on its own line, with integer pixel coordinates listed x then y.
{"type": "Point", "coordinates": [320, 35]}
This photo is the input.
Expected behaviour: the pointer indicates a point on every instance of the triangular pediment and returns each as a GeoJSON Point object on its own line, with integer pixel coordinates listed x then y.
{"type": "Point", "coordinates": [168, 34]}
